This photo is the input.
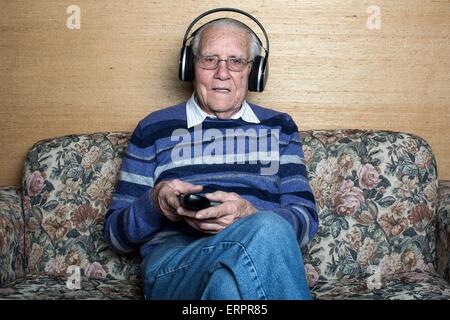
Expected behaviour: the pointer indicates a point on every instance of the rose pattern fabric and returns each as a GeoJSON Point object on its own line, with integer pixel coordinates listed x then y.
{"type": "Point", "coordinates": [95, 270]}
{"type": "Point", "coordinates": [35, 183]}
{"type": "Point", "coordinates": [348, 199]}
{"type": "Point", "coordinates": [368, 176]}
{"type": "Point", "coordinates": [376, 192]}
{"type": "Point", "coordinates": [405, 286]}
{"type": "Point", "coordinates": [443, 226]}
{"type": "Point", "coordinates": [376, 197]}
{"type": "Point", "coordinates": [12, 250]}
{"type": "Point", "coordinates": [51, 287]}
{"type": "Point", "coordinates": [69, 182]}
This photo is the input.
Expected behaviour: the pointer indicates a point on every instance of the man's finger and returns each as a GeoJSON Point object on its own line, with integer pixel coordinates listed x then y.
{"type": "Point", "coordinates": [208, 227]}
{"type": "Point", "coordinates": [216, 211]}
{"type": "Point", "coordinates": [192, 223]}
{"type": "Point", "coordinates": [222, 196]}
{"type": "Point", "coordinates": [185, 187]}
{"type": "Point", "coordinates": [220, 221]}
{"type": "Point", "coordinates": [186, 213]}
{"type": "Point", "coordinates": [209, 213]}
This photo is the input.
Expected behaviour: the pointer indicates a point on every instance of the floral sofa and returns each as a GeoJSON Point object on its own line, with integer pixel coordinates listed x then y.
{"type": "Point", "coordinates": [384, 220]}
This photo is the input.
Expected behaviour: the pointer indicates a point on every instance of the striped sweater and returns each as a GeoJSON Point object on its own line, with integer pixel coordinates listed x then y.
{"type": "Point", "coordinates": [261, 162]}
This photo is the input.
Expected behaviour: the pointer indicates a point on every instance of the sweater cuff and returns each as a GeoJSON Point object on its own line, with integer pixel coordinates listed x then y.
{"type": "Point", "coordinates": [148, 212]}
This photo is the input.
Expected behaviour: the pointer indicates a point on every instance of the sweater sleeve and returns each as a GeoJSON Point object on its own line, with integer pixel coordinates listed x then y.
{"type": "Point", "coordinates": [297, 204]}
{"type": "Point", "coordinates": [132, 219]}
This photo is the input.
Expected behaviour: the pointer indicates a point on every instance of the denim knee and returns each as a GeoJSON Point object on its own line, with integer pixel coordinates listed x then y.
{"type": "Point", "coordinates": [269, 227]}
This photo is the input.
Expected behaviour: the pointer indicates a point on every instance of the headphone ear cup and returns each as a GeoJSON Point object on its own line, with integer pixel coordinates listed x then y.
{"type": "Point", "coordinates": [186, 64]}
{"type": "Point", "coordinates": [258, 74]}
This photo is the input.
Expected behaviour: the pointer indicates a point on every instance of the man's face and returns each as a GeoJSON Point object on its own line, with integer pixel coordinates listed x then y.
{"type": "Point", "coordinates": [221, 92]}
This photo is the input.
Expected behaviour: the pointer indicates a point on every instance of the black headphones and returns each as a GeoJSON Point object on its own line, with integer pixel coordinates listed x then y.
{"type": "Point", "coordinates": [260, 67]}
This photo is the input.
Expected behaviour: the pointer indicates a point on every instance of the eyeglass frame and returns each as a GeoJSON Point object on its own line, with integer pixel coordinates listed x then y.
{"type": "Point", "coordinates": [226, 62]}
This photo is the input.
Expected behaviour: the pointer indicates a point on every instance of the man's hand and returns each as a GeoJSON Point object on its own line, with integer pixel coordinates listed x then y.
{"type": "Point", "coordinates": [165, 196]}
{"type": "Point", "coordinates": [215, 219]}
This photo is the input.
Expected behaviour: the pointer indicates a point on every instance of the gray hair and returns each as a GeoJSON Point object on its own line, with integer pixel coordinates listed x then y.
{"type": "Point", "coordinates": [255, 46]}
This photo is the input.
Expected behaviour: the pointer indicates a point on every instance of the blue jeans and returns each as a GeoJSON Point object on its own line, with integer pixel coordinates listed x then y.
{"type": "Point", "coordinates": [255, 258]}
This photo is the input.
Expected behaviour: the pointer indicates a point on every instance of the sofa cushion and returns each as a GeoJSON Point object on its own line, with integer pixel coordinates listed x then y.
{"type": "Point", "coordinates": [376, 194]}
{"type": "Point", "coordinates": [67, 184]}
{"type": "Point", "coordinates": [406, 286]}
{"type": "Point", "coordinates": [443, 230]}
{"type": "Point", "coordinates": [50, 287]}
{"type": "Point", "coordinates": [11, 235]}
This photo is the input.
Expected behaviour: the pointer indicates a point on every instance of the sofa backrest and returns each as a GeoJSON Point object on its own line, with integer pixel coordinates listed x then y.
{"type": "Point", "coordinates": [67, 186]}
{"type": "Point", "coordinates": [376, 193]}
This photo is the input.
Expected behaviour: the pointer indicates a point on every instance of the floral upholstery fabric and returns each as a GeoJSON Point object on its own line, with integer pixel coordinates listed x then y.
{"type": "Point", "coordinates": [376, 194]}
{"type": "Point", "coordinates": [11, 235]}
{"type": "Point", "coordinates": [51, 287]}
{"type": "Point", "coordinates": [443, 229]}
{"type": "Point", "coordinates": [67, 187]}
{"type": "Point", "coordinates": [405, 286]}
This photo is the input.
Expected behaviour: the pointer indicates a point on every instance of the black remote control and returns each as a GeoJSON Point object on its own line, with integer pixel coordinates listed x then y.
{"type": "Point", "coordinates": [196, 202]}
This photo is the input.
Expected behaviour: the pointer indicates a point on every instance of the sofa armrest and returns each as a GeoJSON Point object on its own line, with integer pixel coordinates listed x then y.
{"type": "Point", "coordinates": [443, 230]}
{"type": "Point", "coordinates": [12, 230]}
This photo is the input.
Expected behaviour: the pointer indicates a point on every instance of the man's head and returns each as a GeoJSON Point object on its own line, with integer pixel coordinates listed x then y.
{"type": "Point", "coordinates": [221, 91]}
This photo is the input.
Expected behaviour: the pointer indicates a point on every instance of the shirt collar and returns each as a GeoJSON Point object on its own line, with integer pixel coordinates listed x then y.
{"type": "Point", "coordinates": [195, 115]}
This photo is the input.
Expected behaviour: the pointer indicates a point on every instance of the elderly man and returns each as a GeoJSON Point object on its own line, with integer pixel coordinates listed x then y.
{"type": "Point", "coordinates": [248, 245]}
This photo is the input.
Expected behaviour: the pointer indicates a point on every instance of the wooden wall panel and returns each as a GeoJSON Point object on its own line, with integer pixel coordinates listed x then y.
{"type": "Point", "coordinates": [327, 69]}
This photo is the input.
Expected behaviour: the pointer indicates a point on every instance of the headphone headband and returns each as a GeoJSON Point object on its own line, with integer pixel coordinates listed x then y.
{"type": "Point", "coordinates": [260, 69]}
{"type": "Point", "coordinates": [186, 38]}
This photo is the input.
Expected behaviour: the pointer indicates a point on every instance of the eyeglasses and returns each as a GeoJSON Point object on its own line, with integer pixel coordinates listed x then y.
{"type": "Point", "coordinates": [232, 63]}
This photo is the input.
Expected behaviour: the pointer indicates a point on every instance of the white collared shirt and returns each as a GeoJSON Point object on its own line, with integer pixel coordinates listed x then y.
{"type": "Point", "coordinates": [195, 115]}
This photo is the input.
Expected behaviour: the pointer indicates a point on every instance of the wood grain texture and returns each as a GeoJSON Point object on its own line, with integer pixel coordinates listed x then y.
{"type": "Point", "coordinates": [327, 69]}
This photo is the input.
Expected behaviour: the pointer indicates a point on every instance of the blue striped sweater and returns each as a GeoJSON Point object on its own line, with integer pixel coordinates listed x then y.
{"type": "Point", "coordinates": [229, 155]}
